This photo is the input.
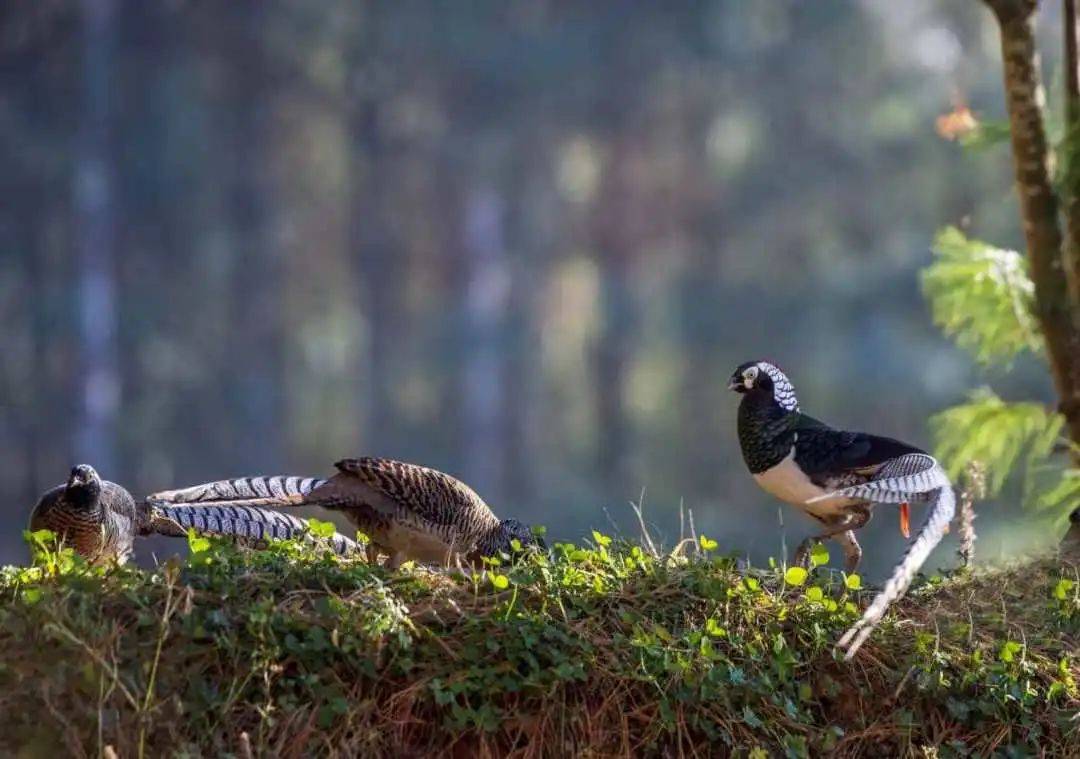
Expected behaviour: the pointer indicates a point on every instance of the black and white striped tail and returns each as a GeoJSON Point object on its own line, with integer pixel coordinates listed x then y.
{"type": "Point", "coordinates": [247, 524]}
{"type": "Point", "coordinates": [243, 491]}
{"type": "Point", "coordinates": [908, 478]}
{"type": "Point", "coordinates": [913, 477]}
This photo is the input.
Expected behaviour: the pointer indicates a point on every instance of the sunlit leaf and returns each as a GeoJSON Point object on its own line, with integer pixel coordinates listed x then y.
{"type": "Point", "coordinates": [982, 297]}
{"type": "Point", "coordinates": [321, 529]}
{"type": "Point", "coordinates": [795, 576]}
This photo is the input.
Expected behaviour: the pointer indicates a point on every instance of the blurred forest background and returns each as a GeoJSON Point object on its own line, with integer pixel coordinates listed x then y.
{"type": "Point", "coordinates": [523, 242]}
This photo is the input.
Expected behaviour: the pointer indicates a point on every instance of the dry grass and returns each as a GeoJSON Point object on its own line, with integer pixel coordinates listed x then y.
{"type": "Point", "coordinates": [598, 651]}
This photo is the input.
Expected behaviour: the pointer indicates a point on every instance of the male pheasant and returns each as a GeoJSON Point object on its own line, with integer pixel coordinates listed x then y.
{"type": "Point", "coordinates": [835, 477]}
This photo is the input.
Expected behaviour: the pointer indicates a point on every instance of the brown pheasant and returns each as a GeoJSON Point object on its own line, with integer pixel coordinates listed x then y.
{"type": "Point", "coordinates": [408, 511]}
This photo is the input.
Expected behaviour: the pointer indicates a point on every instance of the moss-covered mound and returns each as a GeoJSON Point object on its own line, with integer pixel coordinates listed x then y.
{"type": "Point", "coordinates": [603, 650]}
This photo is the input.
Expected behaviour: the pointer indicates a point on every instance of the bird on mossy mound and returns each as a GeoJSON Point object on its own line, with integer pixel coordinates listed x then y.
{"type": "Point", "coordinates": [100, 520]}
{"type": "Point", "coordinates": [836, 477]}
{"type": "Point", "coordinates": [409, 512]}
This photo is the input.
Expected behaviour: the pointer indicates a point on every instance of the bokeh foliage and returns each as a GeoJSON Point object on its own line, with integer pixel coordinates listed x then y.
{"type": "Point", "coordinates": [982, 297]}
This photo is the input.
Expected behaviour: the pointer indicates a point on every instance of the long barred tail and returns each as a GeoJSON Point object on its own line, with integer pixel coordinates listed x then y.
{"type": "Point", "coordinates": [243, 491]}
{"type": "Point", "coordinates": [937, 524]}
{"type": "Point", "coordinates": [247, 524]}
{"type": "Point", "coordinates": [913, 477]}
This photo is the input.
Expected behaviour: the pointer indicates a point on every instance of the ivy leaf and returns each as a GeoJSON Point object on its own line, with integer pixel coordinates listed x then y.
{"type": "Point", "coordinates": [197, 544]}
{"type": "Point", "coordinates": [795, 576]}
{"type": "Point", "coordinates": [1061, 590]}
{"type": "Point", "coordinates": [707, 544]}
{"type": "Point", "coordinates": [321, 529]}
{"type": "Point", "coordinates": [853, 582]}
{"type": "Point", "coordinates": [1009, 650]}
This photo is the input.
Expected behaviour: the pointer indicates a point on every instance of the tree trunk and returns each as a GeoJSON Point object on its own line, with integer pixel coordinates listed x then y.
{"type": "Point", "coordinates": [1071, 182]}
{"type": "Point", "coordinates": [255, 372]}
{"type": "Point", "coordinates": [486, 295]}
{"type": "Point", "coordinates": [1059, 317]}
{"type": "Point", "coordinates": [95, 439]}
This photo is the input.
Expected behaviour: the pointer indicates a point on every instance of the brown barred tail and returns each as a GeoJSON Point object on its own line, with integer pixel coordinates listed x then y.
{"type": "Point", "coordinates": [250, 525]}
{"type": "Point", "coordinates": [243, 491]}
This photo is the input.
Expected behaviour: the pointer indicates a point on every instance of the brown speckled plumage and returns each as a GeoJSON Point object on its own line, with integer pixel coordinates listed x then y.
{"type": "Point", "coordinates": [96, 517]}
{"type": "Point", "coordinates": [99, 520]}
{"type": "Point", "coordinates": [408, 511]}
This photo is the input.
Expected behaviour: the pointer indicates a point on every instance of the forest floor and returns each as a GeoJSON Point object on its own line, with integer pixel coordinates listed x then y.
{"type": "Point", "coordinates": [592, 650]}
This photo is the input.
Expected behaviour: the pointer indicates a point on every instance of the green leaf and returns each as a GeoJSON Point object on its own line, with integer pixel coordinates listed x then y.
{"type": "Point", "coordinates": [501, 582]}
{"type": "Point", "coordinates": [707, 544]}
{"type": "Point", "coordinates": [814, 593]}
{"type": "Point", "coordinates": [985, 135]}
{"type": "Point", "coordinates": [853, 582]}
{"type": "Point", "coordinates": [819, 555]}
{"type": "Point", "coordinates": [196, 543]}
{"type": "Point", "coordinates": [750, 718]}
{"type": "Point", "coordinates": [997, 434]}
{"type": "Point", "coordinates": [713, 628]}
{"type": "Point", "coordinates": [1009, 650]}
{"type": "Point", "coordinates": [982, 297]}
{"type": "Point", "coordinates": [321, 529]}
{"type": "Point", "coordinates": [601, 539]}
{"type": "Point", "coordinates": [1061, 590]}
{"type": "Point", "coordinates": [795, 576]}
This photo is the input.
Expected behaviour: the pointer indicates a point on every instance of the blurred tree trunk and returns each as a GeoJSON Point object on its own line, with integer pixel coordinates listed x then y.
{"type": "Point", "coordinates": [1071, 183]}
{"type": "Point", "coordinates": [1058, 311]}
{"type": "Point", "coordinates": [254, 364]}
{"type": "Point", "coordinates": [382, 273]}
{"type": "Point", "coordinates": [486, 296]}
{"type": "Point", "coordinates": [95, 242]}
{"type": "Point", "coordinates": [613, 235]}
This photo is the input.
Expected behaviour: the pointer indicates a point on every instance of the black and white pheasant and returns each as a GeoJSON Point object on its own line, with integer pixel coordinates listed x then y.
{"type": "Point", "coordinates": [835, 477]}
{"type": "Point", "coordinates": [408, 511]}
{"type": "Point", "coordinates": [100, 520]}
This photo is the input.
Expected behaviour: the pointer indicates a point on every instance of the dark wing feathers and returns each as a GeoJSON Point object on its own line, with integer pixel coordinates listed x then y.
{"type": "Point", "coordinates": [821, 450]}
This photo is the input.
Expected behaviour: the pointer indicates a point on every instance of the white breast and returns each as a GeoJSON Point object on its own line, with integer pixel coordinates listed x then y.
{"type": "Point", "coordinates": [789, 483]}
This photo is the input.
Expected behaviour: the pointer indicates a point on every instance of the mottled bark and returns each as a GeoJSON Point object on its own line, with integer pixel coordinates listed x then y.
{"type": "Point", "coordinates": [1071, 173]}
{"type": "Point", "coordinates": [1057, 313]}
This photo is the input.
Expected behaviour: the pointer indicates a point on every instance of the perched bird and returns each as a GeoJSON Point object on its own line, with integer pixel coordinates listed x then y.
{"type": "Point", "coordinates": [835, 477]}
{"type": "Point", "coordinates": [407, 511]}
{"type": "Point", "coordinates": [100, 520]}
{"type": "Point", "coordinates": [1070, 544]}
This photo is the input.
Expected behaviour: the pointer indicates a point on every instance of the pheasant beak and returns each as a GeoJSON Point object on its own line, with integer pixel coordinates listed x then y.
{"type": "Point", "coordinates": [905, 520]}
